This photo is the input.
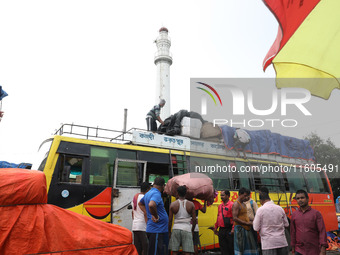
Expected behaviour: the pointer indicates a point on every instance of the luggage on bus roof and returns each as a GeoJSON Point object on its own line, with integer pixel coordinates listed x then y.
{"type": "Point", "coordinates": [172, 124]}
{"type": "Point", "coordinates": [266, 142]}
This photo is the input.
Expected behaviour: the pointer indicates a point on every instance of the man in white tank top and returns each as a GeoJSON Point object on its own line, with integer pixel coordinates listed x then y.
{"type": "Point", "coordinates": [139, 219]}
{"type": "Point", "coordinates": [182, 230]}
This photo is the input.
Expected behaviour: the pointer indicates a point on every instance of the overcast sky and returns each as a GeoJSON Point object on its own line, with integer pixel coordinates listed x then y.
{"type": "Point", "coordinates": [83, 62]}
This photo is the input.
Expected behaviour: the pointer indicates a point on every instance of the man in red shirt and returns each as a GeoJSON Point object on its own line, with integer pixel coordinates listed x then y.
{"type": "Point", "coordinates": [225, 224]}
{"type": "Point", "coordinates": [307, 228]}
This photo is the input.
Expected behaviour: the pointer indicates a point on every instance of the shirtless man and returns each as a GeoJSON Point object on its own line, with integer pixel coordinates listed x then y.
{"type": "Point", "coordinates": [244, 241]}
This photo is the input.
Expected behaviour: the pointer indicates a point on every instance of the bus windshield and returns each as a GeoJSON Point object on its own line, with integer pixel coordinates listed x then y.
{"type": "Point", "coordinates": [40, 160]}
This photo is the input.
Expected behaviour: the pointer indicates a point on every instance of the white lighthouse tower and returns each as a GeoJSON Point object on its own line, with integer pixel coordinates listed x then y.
{"type": "Point", "coordinates": [163, 61]}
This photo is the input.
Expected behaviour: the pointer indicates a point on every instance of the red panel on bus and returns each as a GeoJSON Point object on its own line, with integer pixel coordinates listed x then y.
{"type": "Point", "coordinates": [99, 207]}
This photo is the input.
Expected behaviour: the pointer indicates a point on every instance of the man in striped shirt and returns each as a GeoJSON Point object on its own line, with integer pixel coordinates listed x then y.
{"type": "Point", "coordinates": [153, 115]}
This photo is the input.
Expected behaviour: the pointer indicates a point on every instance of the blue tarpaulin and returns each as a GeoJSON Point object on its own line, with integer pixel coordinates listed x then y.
{"type": "Point", "coordinates": [2, 93]}
{"type": "Point", "coordinates": [5, 164]}
{"type": "Point", "coordinates": [266, 142]}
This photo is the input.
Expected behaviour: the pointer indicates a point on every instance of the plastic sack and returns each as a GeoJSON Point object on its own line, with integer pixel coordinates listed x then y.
{"type": "Point", "coordinates": [198, 185]}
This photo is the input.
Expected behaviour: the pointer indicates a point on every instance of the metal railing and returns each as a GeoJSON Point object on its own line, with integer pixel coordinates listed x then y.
{"type": "Point", "coordinates": [109, 135]}
{"type": "Point", "coordinates": [94, 133]}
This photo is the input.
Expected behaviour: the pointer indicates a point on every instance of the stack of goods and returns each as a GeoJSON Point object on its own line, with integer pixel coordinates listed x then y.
{"type": "Point", "coordinates": [211, 132]}
{"type": "Point", "coordinates": [191, 127]}
{"type": "Point", "coordinates": [173, 126]}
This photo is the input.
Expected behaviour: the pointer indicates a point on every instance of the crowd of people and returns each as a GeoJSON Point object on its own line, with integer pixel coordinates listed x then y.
{"type": "Point", "coordinates": [242, 227]}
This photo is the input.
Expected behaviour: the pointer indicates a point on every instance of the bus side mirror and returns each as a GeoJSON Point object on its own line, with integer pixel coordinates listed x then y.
{"type": "Point", "coordinates": [129, 207]}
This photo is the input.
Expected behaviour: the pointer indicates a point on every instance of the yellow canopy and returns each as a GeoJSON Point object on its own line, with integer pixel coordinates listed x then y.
{"type": "Point", "coordinates": [313, 52]}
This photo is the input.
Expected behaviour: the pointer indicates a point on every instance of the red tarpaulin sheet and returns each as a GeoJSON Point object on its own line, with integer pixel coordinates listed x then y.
{"type": "Point", "coordinates": [30, 226]}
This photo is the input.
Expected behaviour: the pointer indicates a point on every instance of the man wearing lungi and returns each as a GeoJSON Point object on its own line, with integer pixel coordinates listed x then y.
{"type": "Point", "coordinates": [244, 241]}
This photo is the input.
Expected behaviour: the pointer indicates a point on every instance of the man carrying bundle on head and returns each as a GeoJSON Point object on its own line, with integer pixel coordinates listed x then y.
{"type": "Point", "coordinates": [182, 230]}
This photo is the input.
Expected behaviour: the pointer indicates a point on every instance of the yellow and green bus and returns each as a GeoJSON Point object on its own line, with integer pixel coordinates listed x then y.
{"type": "Point", "coordinates": [96, 172]}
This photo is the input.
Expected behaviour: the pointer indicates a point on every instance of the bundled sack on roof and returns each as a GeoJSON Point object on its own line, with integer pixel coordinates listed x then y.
{"type": "Point", "coordinates": [198, 186]}
{"type": "Point", "coordinates": [30, 226]}
{"type": "Point", "coordinates": [172, 125]}
{"type": "Point", "coordinates": [208, 131]}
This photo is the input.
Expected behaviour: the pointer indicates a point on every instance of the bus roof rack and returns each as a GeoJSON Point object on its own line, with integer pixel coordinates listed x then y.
{"type": "Point", "coordinates": [138, 136]}
{"type": "Point", "coordinates": [95, 133]}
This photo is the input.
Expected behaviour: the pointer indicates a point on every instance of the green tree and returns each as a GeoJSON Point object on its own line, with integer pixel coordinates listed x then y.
{"type": "Point", "coordinates": [326, 153]}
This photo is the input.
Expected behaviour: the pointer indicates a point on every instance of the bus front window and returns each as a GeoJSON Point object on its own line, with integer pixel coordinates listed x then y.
{"type": "Point", "coordinates": [71, 169]}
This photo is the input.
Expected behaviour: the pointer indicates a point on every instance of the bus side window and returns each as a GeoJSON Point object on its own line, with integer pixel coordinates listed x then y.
{"type": "Point", "coordinates": [240, 177]}
{"type": "Point", "coordinates": [295, 181]}
{"type": "Point", "coordinates": [158, 164]}
{"type": "Point", "coordinates": [221, 178]}
{"type": "Point", "coordinates": [71, 169]}
{"type": "Point", "coordinates": [269, 178]}
{"type": "Point", "coordinates": [257, 177]}
{"type": "Point", "coordinates": [179, 164]}
{"type": "Point", "coordinates": [316, 182]}
{"type": "Point", "coordinates": [128, 173]}
{"type": "Point", "coordinates": [216, 169]}
{"type": "Point", "coordinates": [102, 165]}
